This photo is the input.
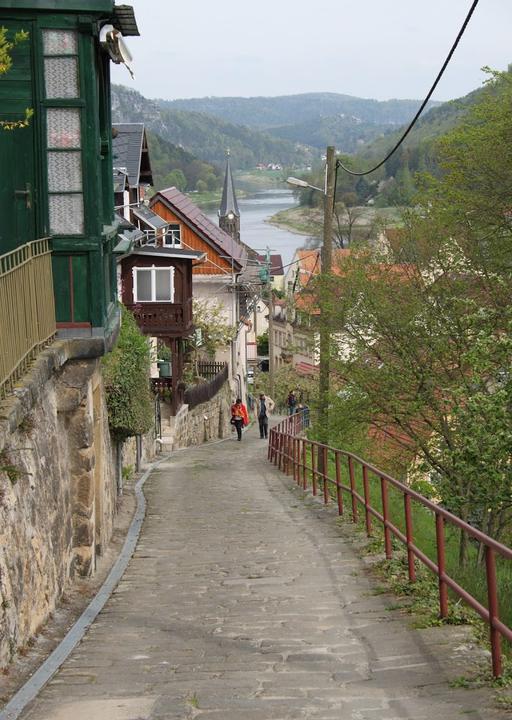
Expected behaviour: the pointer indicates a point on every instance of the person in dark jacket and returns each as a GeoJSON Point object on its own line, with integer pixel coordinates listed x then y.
{"type": "Point", "coordinates": [264, 406]}
{"type": "Point", "coordinates": [291, 402]}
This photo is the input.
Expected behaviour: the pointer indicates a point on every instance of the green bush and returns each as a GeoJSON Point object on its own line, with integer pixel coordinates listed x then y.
{"type": "Point", "coordinates": [126, 376]}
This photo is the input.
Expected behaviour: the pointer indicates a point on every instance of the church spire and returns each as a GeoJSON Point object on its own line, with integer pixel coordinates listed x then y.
{"type": "Point", "coordinates": [229, 214]}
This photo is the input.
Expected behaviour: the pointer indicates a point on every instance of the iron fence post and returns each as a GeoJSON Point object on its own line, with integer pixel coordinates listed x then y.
{"type": "Point", "coordinates": [352, 489]}
{"type": "Point", "coordinates": [368, 517]}
{"type": "Point", "coordinates": [339, 494]}
{"type": "Point", "coordinates": [325, 473]}
{"type": "Point", "coordinates": [492, 595]}
{"type": "Point", "coordinates": [313, 468]}
{"type": "Point", "coordinates": [441, 566]}
{"type": "Point", "coordinates": [304, 463]}
{"type": "Point", "coordinates": [385, 513]}
{"type": "Point", "coordinates": [410, 539]}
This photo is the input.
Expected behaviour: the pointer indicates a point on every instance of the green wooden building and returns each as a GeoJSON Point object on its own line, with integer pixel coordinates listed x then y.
{"type": "Point", "coordinates": [56, 174]}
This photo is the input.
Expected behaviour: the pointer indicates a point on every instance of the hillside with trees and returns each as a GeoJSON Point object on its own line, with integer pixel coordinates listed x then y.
{"type": "Point", "coordinates": [272, 112]}
{"type": "Point", "coordinates": [174, 166]}
{"type": "Point", "coordinates": [425, 323]}
{"type": "Point", "coordinates": [208, 137]}
{"type": "Point", "coordinates": [398, 180]}
{"type": "Point", "coordinates": [346, 132]}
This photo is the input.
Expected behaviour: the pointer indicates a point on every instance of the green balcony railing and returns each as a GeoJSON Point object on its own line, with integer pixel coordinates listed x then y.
{"type": "Point", "coordinates": [27, 309]}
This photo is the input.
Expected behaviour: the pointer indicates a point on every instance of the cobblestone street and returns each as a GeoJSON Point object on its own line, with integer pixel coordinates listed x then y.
{"type": "Point", "coordinates": [244, 601]}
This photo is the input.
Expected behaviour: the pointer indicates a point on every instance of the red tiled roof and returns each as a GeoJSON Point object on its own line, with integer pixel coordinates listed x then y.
{"type": "Point", "coordinates": [310, 262]}
{"type": "Point", "coordinates": [276, 263]}
{"type": "Point", "coordinates": [304, 368]}
{"type": "Point", "coordinates": [182, 206]}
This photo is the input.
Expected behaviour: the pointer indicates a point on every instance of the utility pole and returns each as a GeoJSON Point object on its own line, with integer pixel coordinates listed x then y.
{"type": "Point", "coordinates": [326, 301]}
{"type": "Point", "coordinates": [266, 279]}
{"type": "Point", "coordinates": [270, 332]}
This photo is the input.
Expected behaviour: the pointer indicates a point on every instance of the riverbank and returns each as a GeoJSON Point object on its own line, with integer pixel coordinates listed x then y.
{"type": "Point", "coordinates": [309, 221]}
{"type": "Point", "coordinates": [300, 220]}
{"type": "Point", "coordinates": [247, 182]}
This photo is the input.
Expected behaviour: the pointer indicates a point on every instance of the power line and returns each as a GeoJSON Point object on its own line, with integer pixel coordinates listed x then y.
{"type": "Point", "coordinates": [423, 104]}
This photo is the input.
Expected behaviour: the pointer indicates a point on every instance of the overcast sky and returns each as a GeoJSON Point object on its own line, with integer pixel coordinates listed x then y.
{"type": "Point", "coordinates": [367, 48]}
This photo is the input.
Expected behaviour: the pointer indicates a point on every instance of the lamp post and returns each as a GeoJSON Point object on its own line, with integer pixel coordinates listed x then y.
{"type": "Point", "coordinates": [325, 299]}
{"type": "Point", "coordinates": [266, 278]}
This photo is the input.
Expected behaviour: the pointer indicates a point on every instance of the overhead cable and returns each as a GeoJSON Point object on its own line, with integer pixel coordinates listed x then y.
{"type": "Point", "coordinates": [423, 104]}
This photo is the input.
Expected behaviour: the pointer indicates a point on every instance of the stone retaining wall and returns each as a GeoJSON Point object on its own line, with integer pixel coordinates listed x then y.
{"type": "Point", "coordinates": [207, 421]}
{"type": "Point", "coordinates": [57, 490]}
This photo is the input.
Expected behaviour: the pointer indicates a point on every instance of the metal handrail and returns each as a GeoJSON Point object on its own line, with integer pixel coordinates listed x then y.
{"type": "Point", "coordinates": [289, 450]}
{"type": "Point", "coordinates": [27, 309]}
{"type": "Point", "coordinates": [198, 394]}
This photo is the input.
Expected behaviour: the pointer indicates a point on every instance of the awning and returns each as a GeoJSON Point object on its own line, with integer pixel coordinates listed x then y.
{"type": "Point", "coordinates": [147, 216]}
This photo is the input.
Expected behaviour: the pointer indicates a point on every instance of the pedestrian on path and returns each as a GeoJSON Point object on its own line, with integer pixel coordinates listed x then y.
{"type": "Point", "coordinates": [264, 406]}
{"type": "Point", "coordinates": [239, 416]}
{"type": "Point", "coordinates": [291, 402]}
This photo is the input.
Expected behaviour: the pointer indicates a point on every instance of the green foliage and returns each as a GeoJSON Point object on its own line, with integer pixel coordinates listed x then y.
{"type": "Point", "coordinates": [423, 594]}
{"type": "Point", "coordinates": [127, 473]}
{"type": "Point", "coordinates": [205, 136]}
{"type": "Point", "coordinates": [285, 379]}
{"type": "Point", "coordinates": [176, 178]}
{"type": "Point", "coordinates": [6, 47]}
{"type": "Point", "coordinates": [306, 108]}
{"type": "Point", "coordinates": [347, 133]}
{"type": "Point", "coordinates": [262, 343]}
{"type": "Point", "coordinates": [126, 377]}
{"type": "Point", "coordinates": [174, 166]}
{"type": "Point", "coordinates": [213, 331]}
{"type": "Point", "coordinates": [13, 472]}
{"type": "Point", "coordinates": [398, 180]}
{"type": "Point", "coordinates": [426, 342]}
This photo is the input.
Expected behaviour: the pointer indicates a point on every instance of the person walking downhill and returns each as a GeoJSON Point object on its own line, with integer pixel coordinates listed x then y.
{"type": "Point", "coordinates": [264, 406]}
{"type": "Point", "coordinates": [239, 417]}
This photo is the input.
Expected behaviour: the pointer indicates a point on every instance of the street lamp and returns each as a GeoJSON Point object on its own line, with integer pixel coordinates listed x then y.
{"type": "Point", "coordinates": [325, 299]}
{"type": "Point", "coordinates": [297, 182]}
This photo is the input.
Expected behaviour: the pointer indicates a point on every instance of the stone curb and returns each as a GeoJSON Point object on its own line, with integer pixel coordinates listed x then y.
{"type": "Point", "coordinates": [29, 691]}
{"type": "Point", "coordinates": [45, 672]}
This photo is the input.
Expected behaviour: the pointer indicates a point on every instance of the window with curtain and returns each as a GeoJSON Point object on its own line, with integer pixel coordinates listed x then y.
{"type": "Point", "coordinates": [153, 284]}
{"type": "Point", "coordinates": [63, 132]}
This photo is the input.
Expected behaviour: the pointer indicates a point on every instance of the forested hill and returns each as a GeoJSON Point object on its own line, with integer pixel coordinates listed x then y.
{"type": "Point", "coordinates": [417, 154]}
{"type": "Point", "coordinates": [208, 137]}
{"type": "Point", "coordinates": [434, 123]}
{"type": "Point", "coordinates": [396, 182]}
{"type": "Point", "coordinates": [273, 112]}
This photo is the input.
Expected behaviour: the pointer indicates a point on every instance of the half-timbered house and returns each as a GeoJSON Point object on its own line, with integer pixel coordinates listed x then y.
{"type": "Point", "coordinates": [217, 279]}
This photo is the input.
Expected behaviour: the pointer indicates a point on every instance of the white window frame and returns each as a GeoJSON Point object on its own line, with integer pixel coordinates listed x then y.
{"type": "Point", "coordinates": [153, 269]}
{"type": "Point", "coordinates": [170, 237]}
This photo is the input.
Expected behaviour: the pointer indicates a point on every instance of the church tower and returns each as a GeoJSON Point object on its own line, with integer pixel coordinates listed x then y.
{"type": "Point", "coordinates": [229, 214]}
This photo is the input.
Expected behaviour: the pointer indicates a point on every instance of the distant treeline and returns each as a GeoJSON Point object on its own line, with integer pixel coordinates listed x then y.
{"type": "Point", "coordinates": [398, 180]}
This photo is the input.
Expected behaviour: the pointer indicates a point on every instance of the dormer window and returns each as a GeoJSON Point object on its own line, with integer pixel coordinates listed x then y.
{"type": "Point", "coordinates": [153, 284]}
{"type": "Point", "coordinates": [172, 237]}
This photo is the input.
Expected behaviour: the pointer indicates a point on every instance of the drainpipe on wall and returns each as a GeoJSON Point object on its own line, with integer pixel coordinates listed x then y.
{"type": "Point", "coordinates": [119, 467]}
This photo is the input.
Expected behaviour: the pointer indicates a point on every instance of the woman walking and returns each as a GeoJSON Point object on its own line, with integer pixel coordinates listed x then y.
{"type": "Point", "coordinates": [239, 416]}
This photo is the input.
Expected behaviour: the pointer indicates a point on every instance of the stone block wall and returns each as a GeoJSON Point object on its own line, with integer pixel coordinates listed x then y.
{"type": "Point", "coordinates": [207, 421]}
{"type": "Point", "coordinates": [148, 448]}
{"type": "Point", "coordinates": [57, 490]}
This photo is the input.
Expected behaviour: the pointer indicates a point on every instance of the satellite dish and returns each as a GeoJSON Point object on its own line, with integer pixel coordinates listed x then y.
{"type": "Point", "coordinates": [113, 42]}
{"type": "Point", "coordinates": [123, 50]}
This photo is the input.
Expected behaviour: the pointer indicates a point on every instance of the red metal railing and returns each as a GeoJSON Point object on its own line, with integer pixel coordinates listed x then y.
{"type": "Point", "coordinates": [289, 450]}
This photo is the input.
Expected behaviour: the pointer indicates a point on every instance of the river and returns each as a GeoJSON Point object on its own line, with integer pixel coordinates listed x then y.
{"type": "Point", "coordinates": [257, 233]}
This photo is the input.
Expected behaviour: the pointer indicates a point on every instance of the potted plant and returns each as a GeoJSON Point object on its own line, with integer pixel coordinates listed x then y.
{"type": "Point", "coordinates": [164, 360]}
